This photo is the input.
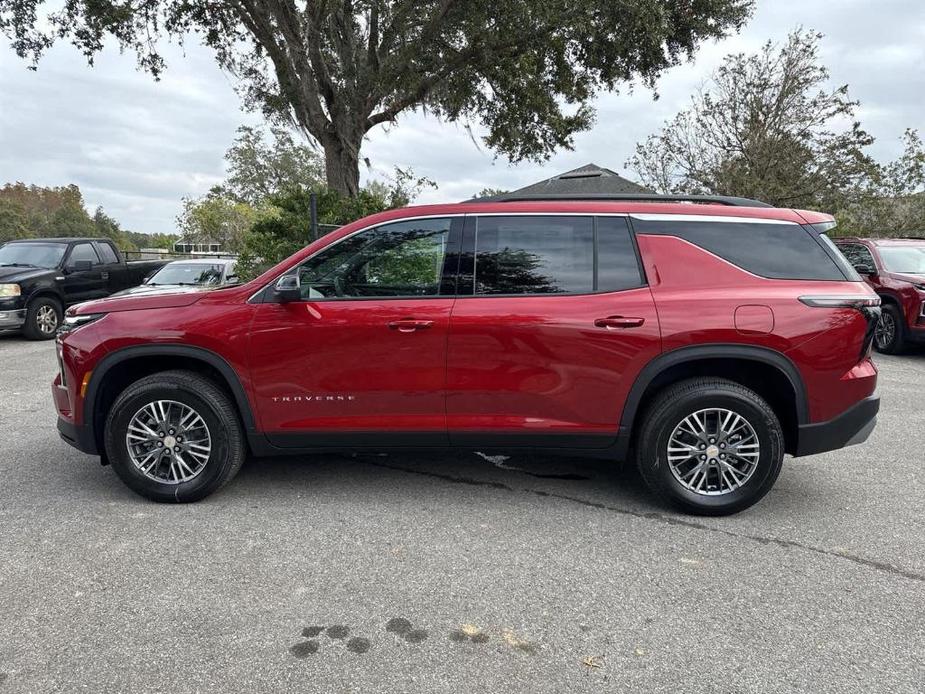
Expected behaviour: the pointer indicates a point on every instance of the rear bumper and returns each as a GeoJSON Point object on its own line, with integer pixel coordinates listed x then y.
{"type": "Point", "coordinates": [80, 437]}
{"type": "Point", "coordinates": [12, 318]}
{"type": "Point", "coordinates": [847, 429]}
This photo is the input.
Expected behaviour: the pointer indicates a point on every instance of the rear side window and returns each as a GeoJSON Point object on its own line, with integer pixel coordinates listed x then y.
{"type": "Point", "coordinates": [554, 255]}
{"type": "Point", "coordinates": [83, 251]}
{"type": "Point", "coordinates": [777, 251]}
{"type": "Point", "coordinates": [107, 254]}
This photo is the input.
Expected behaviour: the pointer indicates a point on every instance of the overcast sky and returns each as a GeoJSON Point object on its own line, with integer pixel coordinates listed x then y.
{"type": "Point", "coordinates": [136, 146]}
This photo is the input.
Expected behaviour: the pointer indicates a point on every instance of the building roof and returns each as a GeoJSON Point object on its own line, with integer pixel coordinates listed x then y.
{"type": "Point", "coordinates": [588, 179]}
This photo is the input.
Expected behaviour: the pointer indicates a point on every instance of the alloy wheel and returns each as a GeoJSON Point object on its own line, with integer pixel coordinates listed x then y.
{"type": "Point", "coordinates": [886, 330]}
{"type": "Point", "coordinates": [168, 441]}
{"type": "Point", "coordinates": [713, 451]}
{"type": "Point", "coordinates": [46, 318]}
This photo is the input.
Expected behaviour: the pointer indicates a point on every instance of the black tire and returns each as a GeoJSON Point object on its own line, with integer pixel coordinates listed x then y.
{"type": "Point", "coordinates": [43, 316]}
{"type": "Point", "coordinates": [666, 413]}
{"type": "Point", "coordinates": [228, 448]}
{"type": "Point", "coordinates": [888, 338]}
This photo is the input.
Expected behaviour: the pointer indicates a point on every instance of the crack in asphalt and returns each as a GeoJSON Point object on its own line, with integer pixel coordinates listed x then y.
{"type": "Point", "coordinates": [667, 520]}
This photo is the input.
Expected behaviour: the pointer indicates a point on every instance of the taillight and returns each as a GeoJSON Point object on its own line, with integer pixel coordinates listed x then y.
{"type": "Point", "coordinates": [868, 306]}
{"type": "Point", "coordinates": [840, 301]}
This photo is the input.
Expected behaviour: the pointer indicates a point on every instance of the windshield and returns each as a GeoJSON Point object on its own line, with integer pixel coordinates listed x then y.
{"type": "Point", "coordinates": [906, 259]}
{"type": "Point", "coordinates": [188, 273]}
{"type": "Point", "coordinates": [46, 255]}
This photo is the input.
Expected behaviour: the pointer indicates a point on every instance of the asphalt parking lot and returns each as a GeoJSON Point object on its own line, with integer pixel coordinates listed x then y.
{"type": "Point", "coordinates": [446, 574]}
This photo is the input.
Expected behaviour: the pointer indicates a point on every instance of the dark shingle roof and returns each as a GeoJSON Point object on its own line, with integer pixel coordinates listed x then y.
{"type": "Point", "coordinates": [587, 179]}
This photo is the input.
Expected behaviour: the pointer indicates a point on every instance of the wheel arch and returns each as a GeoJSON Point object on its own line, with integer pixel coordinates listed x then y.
{"type": "Point", "coordinates": [118, 369]}
{"type": "Point", "coordinates": [770, 373]}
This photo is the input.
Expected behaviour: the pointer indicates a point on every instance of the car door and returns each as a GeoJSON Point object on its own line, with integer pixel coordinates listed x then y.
{"type": "Point", "coordinates": [113, 273]}
{"type": "Point", "coordinates": [361, 358]}
{"type": "Point", "coordinates": [552, 322]}
{"type": "Point", "coordinates": [82, 284]}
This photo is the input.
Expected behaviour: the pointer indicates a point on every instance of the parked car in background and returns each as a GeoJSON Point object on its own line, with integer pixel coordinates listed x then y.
{"type": "Point", "coordinates": [39, 278]}
{"type": "Point", "coordinates": [202, 273]}
{"type": "Point", "coordinates": [895, 269]}
{"type": "Point", "coordinates": [702, 337]}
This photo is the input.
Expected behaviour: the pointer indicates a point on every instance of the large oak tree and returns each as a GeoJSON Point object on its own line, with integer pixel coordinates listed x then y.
{"type": "Point", "coordinates": [525, 69]}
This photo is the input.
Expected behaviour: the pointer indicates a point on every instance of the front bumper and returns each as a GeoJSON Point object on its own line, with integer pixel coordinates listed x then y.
{"type": "Point", "coordinates": [847, 429]}
{"type": "Point", "coordinates": [80, 437]}
{"type": "Point", "coordinates": [12, 318]}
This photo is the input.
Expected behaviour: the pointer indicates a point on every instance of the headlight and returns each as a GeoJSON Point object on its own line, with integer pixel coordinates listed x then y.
{"type": "Point", "coordinates": [10, 290]}
{"type": "Point", "coordinates": [71, 323]}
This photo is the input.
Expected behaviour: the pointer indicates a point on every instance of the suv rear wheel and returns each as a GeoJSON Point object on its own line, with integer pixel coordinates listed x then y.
{"type": "Point", "coordinates": [710, 446]}
{"type": "Point", "coordinates": [174, 436]}
{"type": "Point", "coordinates": [888, 337]}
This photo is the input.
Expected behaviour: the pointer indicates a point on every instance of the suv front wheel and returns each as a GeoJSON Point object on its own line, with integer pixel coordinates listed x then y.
{"type": "Point", "coordinates": [174, 436]}
{"type": "Point", "coordinates": [710, 446]}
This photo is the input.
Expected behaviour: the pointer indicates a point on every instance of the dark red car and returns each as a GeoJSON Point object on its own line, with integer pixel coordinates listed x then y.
{"type": "Point", "coordinates": [702, 338]}
{"type": "Point", "coordinates": [895, 269]}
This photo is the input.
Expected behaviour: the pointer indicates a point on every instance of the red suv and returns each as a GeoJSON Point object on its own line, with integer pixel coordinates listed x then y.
{"type": "Point", "coordinates": [895, 269]}
{"type": "Point", "coordinates": [701, 337]}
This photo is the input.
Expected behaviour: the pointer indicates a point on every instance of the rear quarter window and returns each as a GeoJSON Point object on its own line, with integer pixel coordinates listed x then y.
{"type": "Point", "coordinates": [773, 250]}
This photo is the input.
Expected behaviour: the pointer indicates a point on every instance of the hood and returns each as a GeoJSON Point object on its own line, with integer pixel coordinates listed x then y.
{"type": "Point", "coordinates": [137, 302]}
{"type": "Point", "coordinates": [10, 274]}
{"type": "Point", "coordinates": [905, 277]}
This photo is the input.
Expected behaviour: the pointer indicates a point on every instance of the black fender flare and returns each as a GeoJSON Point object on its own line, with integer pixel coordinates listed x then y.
{"type": "Point", "coordinates": [695, 353]}
{"type": "Point", "coordinates": [200, 353]}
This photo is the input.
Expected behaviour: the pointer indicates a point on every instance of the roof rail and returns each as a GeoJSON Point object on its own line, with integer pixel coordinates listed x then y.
{"type": "Point", "coordinates": [625, 197]}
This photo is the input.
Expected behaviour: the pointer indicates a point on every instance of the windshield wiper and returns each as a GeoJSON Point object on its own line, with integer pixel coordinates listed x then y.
{"type": "Point", "coordinates": [18, 265]}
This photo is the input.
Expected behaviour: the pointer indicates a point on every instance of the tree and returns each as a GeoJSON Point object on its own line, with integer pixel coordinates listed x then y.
{"type": "Point", "coordinates": [12, 221]}
{"type": "Point", "coordinates": [339, 68]}
{"type": "Point", "coordinates": [48, 211]}
{"type": "Point", "coordinates": [258, 169]}
{"type": "Point", "coordinates": [216, 219]}
{"type": "Point", "coordinates": [284, 226]}
{"type": "Point", "coordinates": [893, 202]}
{"type": "Point", "coordinates": [766, 127]}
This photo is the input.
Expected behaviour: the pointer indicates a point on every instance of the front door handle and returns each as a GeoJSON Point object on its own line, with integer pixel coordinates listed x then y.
{"type": "Point", "coordinates": [409, 325]}
{"type": "Point", "coordinates": [618, 322]}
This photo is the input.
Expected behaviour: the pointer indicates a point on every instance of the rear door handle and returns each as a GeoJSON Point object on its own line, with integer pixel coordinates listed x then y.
{"type": "Point", "coordinates": [409, 325]}
{"type": "Point", "coordinates": [618, 322]}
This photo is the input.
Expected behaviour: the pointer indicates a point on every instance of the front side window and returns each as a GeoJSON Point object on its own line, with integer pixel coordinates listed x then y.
{"type": "Point", "coordinates": [403, 259]}
{"type": "Point", "coordinates": [909, 260]}
{"type": "Point", "coordinates": [82, 251]}
{"type": "Point", "coordinates": [857, 255]}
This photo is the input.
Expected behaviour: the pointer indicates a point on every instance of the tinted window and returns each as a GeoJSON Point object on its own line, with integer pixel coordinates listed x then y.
{"type": "Point", "coordinates": [617, 266]}
{"type": "Point", "coordinates": [401, 259]}
{"type": "Point", "coordinates": [856, 254]}
{"type": "Point", "coordinates": [83, 251]}
{"type": "Point", "coordinates": [107, 254]}
{"type": "Point", "coordinates": [534, 255]}
{"type": "Point", "coordinates": [779, 251]}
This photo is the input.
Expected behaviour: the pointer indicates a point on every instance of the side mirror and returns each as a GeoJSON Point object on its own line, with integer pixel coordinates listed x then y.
{"type": "Point", "coordinates": [232, 279]}
{"type": "Point", "coordinates": [80, 266]}
{"type": "Point", "coordinates": [865, 270]}
{"type": "Point", "coordinates": [288, 288]}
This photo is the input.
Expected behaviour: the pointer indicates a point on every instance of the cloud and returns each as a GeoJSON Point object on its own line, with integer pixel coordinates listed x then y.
{"type": "Point", "coordinates": [136, 146]}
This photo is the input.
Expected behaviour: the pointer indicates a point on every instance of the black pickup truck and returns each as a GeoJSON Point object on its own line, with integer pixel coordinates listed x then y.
{"type": "Point", "coordinates": [39, 278]}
